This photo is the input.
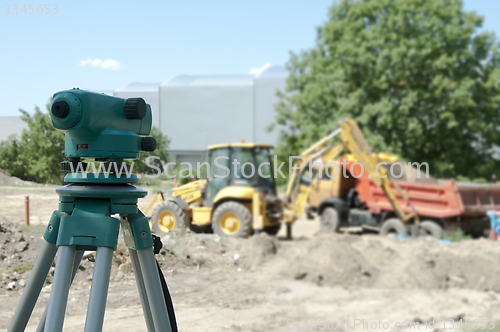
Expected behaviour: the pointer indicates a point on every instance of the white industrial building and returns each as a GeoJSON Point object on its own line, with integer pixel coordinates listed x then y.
{"type": "Point", "coordinates": [11, 125]}
{"type": "Point", "coordinates": [197, 111]}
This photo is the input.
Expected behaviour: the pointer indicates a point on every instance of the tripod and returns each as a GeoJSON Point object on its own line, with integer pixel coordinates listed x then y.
{"type": "Point", "coordinates": [84, 222]}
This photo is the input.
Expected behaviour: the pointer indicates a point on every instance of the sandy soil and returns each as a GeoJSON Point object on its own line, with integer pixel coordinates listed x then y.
{"type": "Point", "coordinates": [268, 284]}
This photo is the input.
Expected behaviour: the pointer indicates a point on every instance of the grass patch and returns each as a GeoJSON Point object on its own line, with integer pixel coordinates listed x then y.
{"type": "Point", "coordinates": [120, 254]}
{"type": "Point", "coordinates": [23, 267]}
{"type": "Point", "coordinates": [148, 182]}
{"type": "Point", "coordinates": [176, 235]}
{"type": "Point", "coordinates": [33, 229]}
{"type": "Point", "coordinates": [347, 276]}
{"type": "Point", "coordinates": [458, 236]}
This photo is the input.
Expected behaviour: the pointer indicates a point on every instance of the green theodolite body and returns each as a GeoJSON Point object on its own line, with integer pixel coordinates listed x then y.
{"type": "Point", "coordinates": [99, 125]}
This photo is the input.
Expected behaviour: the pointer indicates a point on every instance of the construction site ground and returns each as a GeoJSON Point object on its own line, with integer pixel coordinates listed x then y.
{"type": "Point", "coordinates": [265, 283]}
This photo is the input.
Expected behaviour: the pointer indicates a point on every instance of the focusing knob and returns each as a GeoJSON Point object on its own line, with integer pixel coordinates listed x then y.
{"type": "Point", "coordinates": [60, 109]}
{"type": "Point", "coordinates": [148, 144]}
{"type": "Point", "coordinates": [65, 166]}
{"type": "Point", "coordinates": [135, 108]}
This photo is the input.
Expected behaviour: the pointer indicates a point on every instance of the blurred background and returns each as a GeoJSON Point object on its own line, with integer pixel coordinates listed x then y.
{"type": "Point", "coordinates": [421, 78]}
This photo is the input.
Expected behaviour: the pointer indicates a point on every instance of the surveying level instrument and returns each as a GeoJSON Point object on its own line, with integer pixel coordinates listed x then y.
{"type": "Point", "coordinates": [110, 130]}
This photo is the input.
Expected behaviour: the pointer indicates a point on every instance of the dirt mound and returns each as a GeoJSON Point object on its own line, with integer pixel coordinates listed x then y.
{"type": "Point", "coordinates": [345, 260]}
{"type": "Point", "coordinates": [17, 254]}
{"type": "Point", "coordinates": [374, 261]}
{"type": "Point", "coordinates": [6, 179]}
{"type": "Point", "coordinates": [325, 260]}
{"type": "Point", "coordinates": [209, 251]}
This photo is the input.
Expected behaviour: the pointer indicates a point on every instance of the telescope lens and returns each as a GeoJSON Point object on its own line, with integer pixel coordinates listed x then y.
{"type": "Point", "coordinates": [60, 109]}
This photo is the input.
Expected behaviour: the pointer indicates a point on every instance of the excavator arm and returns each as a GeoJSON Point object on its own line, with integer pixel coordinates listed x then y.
{"type": "Point", "coordinates": [355, 142]}
{"type": "Point", "coordinates": [298, 188]}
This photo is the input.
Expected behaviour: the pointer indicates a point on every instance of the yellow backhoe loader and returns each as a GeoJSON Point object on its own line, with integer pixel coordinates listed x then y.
{"type": "Point", "coordinates": [232, 203]}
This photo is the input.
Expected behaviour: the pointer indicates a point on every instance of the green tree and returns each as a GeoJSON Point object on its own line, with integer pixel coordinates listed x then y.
{"type": "Point", "coordinates": [418, 76]}
{"type": "Point", "coordinates": [162, 143]}
{"type": "Point", "coordinates": [37, 154]}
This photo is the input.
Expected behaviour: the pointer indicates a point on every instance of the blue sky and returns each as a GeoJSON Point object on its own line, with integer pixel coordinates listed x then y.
{"type": "Point", "coordinates": [151, 41]}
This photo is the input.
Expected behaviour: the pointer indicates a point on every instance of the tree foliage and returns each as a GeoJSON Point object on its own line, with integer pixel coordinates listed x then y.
{"type": "Point", "coordinates": [37, 154]}
{"type": "Point", "coordinates": [419, 76]}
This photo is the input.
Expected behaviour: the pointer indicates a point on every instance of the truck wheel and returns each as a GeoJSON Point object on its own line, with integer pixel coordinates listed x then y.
{"type": "Point", "coordinates": [430, 228]}
{"type": "Point", "coordinates": [166, 217]}
{"type": "Point", "coordinates": [393, 226]}
{"type": "Point", "coordinates": [272, 230]}
{"type": "Point", "coordinates": [329, 220]}
{"type": "Point", "coordinates": [232, 219]}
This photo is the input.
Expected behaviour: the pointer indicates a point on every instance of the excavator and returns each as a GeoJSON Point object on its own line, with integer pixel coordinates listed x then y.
{"type": "Point", "coordinates": [238, 199]}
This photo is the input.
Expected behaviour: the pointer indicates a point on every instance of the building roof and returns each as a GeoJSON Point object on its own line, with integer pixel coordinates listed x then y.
{"type": "Point", "coordinates": [215, 80]}
{"type": "Point", "coordinates": [138, 87]}
{"type": "Point", "coordinates": [240, 145]}
{"type": "Point", "coordinates": [225, 80]}
{"type": "Point", "coordinates": [274, 72]}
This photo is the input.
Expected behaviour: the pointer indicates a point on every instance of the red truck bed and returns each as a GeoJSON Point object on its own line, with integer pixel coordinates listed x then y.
{"type": "Point", "coordinates": [440, 200]}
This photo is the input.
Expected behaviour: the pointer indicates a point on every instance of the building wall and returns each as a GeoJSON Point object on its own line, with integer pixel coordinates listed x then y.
{"type": "Point", "coordinates": [11, 125]}
{"type": "Point", "coordinates": [200, 111]}
{"type": "Point", "coordinates": [265, 102]}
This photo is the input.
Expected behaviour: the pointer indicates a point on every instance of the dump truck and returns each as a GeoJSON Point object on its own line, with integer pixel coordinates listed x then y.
{"type": "Point", "coordinates": [378, 199]}
{"type": "Point", "coordinates": [441, 204]}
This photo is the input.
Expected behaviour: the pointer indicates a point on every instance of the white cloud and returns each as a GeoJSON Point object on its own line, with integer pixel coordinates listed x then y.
{"type": "Point", "coordinates": [103, 64]}
{"type": "Point", "coordinates": [260, 70]}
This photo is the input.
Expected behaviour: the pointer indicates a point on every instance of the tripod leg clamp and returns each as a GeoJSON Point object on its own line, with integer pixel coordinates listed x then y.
{"type": "Point", "coordinates": [136, 232]}
{"type": "Point", "coordinates": [52, 229]}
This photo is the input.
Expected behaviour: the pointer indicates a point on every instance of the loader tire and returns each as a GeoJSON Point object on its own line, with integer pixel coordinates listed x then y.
{"type": "Point", "coordinates": [430, 228]}
{"type": "Point", "coordinates": [329, 220]}
{"type": "Point", "coordinates": [232, 219]}
{"type": "Point", "coordinates": [393, 226]}
{"type": "Point", "coordinates": [166, 217]}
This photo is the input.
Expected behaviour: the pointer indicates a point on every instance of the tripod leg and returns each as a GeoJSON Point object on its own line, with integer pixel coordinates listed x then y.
{"type": "Point", "coordinates": [33, 287]}
{"type": "Point", "coordinates": [78, 259]}
{"type": "Point", "coordinates": [154, 290]}
{"type": "Point", "coordinates": [142, 289]}
{"type": "Point", "coordinates": [99, 289]}
{"type": "Point", "coordinates": [60, 289]}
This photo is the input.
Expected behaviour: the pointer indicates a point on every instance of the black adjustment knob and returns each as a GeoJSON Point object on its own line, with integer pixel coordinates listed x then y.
{"type": "Point", "coordinates": [148, 144]}
{"type": "Point", "coordinates": [64, 166]}
{"type": "Point", "coordinates": [60, 109]}
{"type": "Point", "coordinates": [135, 108]}
{"type": "Point", "coordinates": [72, 166]}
